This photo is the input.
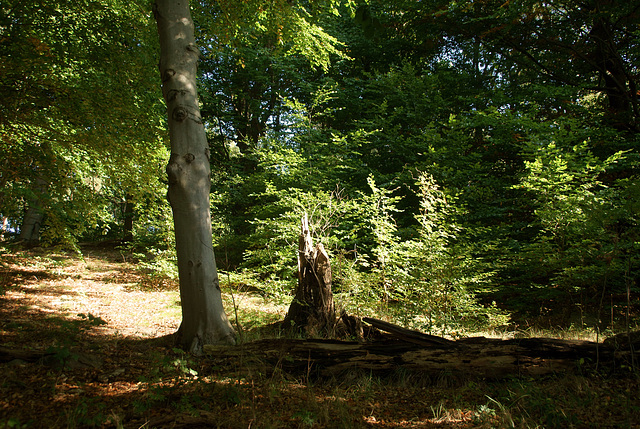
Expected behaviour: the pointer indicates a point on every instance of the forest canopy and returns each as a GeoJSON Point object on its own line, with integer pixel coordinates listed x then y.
{"type": "Point", "coordinates": [465, 164]}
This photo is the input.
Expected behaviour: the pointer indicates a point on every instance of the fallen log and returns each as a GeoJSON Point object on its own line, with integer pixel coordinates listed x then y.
{"type": "Point", "coordinates": [407, 334]}
{"type": "Point", "coordinates": [7, 355]}
{"type": "Point", "coordinates": [414, 351]}
{"type": "Point", "coordinates": [52, 357]}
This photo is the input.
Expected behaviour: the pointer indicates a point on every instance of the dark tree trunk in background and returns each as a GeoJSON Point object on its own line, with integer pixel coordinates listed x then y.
{"type": "Point", "coordinates": [30, 230]}
{"type": "Point", "coordinates": [33, 216]}
{"type": "Point", "coordinates": [619, 84]}
{"type": "Point", "coordinates": [312, 308]}
{"type": "Point", "coordinates": [128, 213]}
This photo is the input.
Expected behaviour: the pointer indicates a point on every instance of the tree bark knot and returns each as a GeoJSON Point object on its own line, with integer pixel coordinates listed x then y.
{"type": "Point", "coordinates": [180, 114]}
{"type": "Point", "coordinates": [168, 74]}
{"type": "Point", "coordinates": [173, 168]}
{"type": "Point", "coordinates": [173, 94]}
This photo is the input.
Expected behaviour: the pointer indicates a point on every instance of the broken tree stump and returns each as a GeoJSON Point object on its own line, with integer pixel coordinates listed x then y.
{"type": "Point", "coordinates": [312, 308]}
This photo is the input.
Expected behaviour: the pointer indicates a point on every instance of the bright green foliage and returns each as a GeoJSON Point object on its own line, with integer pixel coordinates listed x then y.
{"type": "Point", "coordinates": [419, 93]}
{"type": "Point", "coordinates": [587, 236]}
{"type": "Point", "coordinates": [80, 122]}
{"type": "Point", "coordinates": [470, 112]}
{"type": "Point", "coordinates": [290, 27]}
{"type": "Point", "coordinates": [277, 230]}
{"type": "Point", "coordinates": [379, 208]}
{"type": "Point", "coordinates": [448, 154]}
{"type": "Point", "coordinates": [432, 275]}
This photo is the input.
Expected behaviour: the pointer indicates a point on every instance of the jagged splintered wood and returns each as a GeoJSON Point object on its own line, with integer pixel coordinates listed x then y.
{"type": "Point", "coordinates": [312, 308]}
{"type": "Point", "coordinates": [203, 318]}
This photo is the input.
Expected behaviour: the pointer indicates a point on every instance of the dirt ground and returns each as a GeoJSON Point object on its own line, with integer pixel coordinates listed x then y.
{"type": "Point", "coordinates": [79, 348]}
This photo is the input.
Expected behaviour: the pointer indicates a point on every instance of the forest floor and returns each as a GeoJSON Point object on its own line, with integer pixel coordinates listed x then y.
{"type": "Point", "coordinates": [97, 316]}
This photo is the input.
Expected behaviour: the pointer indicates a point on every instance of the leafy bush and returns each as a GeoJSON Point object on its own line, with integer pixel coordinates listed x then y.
{"type": "Point", "coordinates": [434, 277]}
{"type": "Point", "coordinates": [587, 226]}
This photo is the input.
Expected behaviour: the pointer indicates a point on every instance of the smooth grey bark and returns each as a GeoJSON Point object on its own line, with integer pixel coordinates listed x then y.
{"type": "Point", "coordinates": [203, 318]}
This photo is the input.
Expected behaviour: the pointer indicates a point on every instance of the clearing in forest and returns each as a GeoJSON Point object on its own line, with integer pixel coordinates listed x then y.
{"type": "Point", "coordinates": [93, 318]}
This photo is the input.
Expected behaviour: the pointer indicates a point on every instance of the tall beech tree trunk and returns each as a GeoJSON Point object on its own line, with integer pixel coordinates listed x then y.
{"type": "Point", "coordinates": [203, 318]}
